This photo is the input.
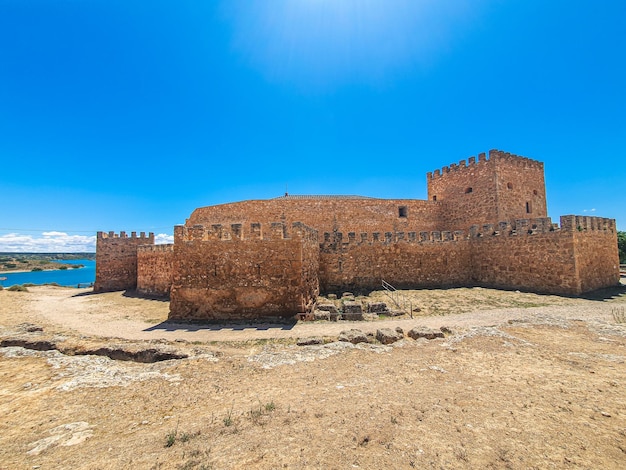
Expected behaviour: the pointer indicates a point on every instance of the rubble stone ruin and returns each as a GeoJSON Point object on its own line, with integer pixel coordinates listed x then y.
{"type": "Point", "coordinates": [484, 224]}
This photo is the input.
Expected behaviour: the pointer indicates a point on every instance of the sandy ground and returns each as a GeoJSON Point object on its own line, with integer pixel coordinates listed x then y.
{"type": "Point", "coordinates": [523, 381]}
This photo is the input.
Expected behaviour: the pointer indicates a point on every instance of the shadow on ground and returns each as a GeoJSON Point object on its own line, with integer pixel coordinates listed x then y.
{"type": "Point", "coordinates": [197, 326]}
{"type": "Point", "coordinates": [131, 294]}
{"type": "Point", "coordinates": [609, 293]}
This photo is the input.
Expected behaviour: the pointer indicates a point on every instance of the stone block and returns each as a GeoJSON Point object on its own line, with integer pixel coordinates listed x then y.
{"type": "Point", "coordinates": [388, 336]}
{"type": "Point", "coordinates": [353, 336]}
{"type": "Point", "coordinates": [424, 332]}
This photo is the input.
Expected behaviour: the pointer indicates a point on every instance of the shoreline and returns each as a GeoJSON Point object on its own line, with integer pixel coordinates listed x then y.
{"type": "Point", "coordinates": [43, 270]}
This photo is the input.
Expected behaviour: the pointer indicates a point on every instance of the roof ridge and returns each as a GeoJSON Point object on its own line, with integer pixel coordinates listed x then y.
{"type": "Point", "coordinates": [322, 196]}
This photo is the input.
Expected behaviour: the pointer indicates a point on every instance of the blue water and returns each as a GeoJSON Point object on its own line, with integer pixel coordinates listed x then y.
{"type": "Point", "coordinates": [83, 277]}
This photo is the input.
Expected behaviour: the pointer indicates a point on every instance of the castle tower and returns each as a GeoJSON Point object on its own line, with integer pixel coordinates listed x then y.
{"type": "Point", "coordinates": [116, 260]}
{"type": "Point", "coordinates": [501, 188]}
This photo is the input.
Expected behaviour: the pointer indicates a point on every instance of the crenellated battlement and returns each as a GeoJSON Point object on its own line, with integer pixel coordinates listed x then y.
{"type": "Point", "coordinates": [164, 248]}
{"type": "Point", "coordinates": [133, 235]}
{"type": "Point", "coordinates": [583, 223]}
{"type": "Point", "coordinates": [482, 159]}
{"type": "Point", "coordinates": [568, 223]}
{"type": "Point", "coordinates": [334, 240]}
{"type": "Point", "coordinates": [513, 228]}
{"type": "Point", "coordinates": [252, 231]}
{"type": "Point", "coordinates": [518, 227]}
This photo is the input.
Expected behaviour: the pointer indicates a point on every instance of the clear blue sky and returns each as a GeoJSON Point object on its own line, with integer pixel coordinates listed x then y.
{"type": "Point", "coordinates": [127, 115]}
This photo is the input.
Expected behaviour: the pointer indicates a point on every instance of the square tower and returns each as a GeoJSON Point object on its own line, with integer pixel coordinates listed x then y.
{"type": "Point", "coordinates": [502, 187]}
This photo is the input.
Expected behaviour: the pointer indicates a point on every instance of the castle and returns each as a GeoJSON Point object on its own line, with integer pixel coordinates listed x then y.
{"type": "Point", "coordinates": [484, 224]}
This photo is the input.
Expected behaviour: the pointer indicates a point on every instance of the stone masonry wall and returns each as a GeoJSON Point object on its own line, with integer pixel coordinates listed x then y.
{"type": "Point", "coordinates": [541, 257]}
{"type": "Point", "coordinates": [221, 275]}
{"type": "Point", "coordinates": [527, 254]}
{"type": "Point", "coordinates": [116, 260]}
{"type": "Point", "coordinates": [326, 214]}
{"type": "Point", "coordinates": [467, 192]}
{"type": "Point", "coordinates": [521, 189]}
{"type": "Point", "coordinates": [359, 262]}
{"type": "Point", "coordinates": [154, 269]}
{"type": "Point", "coordinates": [520, 257]}
{"type": "Point", "coordinates": [488, 190]}
{"type": "Point", "coordinates": [595, 247]}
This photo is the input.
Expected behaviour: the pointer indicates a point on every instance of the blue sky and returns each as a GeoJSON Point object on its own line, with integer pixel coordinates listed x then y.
{"type": "Point", "coordinates": [127, 115]}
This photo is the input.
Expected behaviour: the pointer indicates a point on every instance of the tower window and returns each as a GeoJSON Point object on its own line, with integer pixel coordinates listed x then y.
{"type": "Point", "coordinates": [528, 208]}
{"type": "Point", "coordinates": [434, 198]}
{"type": "Point", "coordinates": [509, 185]}
{"type": "Point", "coordinates": [468, 190]}
{"type": "Point", "coordinates": [402, 211]}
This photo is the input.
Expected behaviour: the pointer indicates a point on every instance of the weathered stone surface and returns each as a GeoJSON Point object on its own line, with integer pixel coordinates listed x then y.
{"type": "Point", "coordinates": [29, 327]}
{"type": "Point", "coordinates": [424, 332]}
{"type": "Point", "coordinates": [327, 308]}
{"type": "Point", "coordinates": [321, 315]}
{"type": "Point", "coordinates": [352, 311]}
{"type": "Point", "coordinates": [220, 276]}
{"type": "Point", "coordinates": [353, 336]}
{"type": "Point", "coordinates": [352, 316]}
{"type": "Point", "coordinates": [377, 307]}
{"type": "Point", "coordinates": [388, 336]}
{"type": "Point", "coordinates": [116, 260]}
{"type": "Point", "coordinates": [309, 341]}
{"type": "Point", "coordinates": [154, 269]}
{"type": "Point", "coordinates": [352, 307]}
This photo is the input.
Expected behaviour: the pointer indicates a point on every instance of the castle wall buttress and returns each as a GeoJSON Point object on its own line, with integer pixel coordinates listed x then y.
{"type": "Point", "coordinates": [116, 260]}
{"type": "Point", "coordinates": [596, 252]}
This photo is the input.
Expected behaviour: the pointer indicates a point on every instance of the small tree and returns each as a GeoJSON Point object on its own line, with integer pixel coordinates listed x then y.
{"type": "Point", "coordinates": [621, 245]}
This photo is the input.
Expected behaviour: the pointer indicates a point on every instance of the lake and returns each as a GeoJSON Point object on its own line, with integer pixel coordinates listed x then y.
{"type": "Point", "coordinates": [83, 277]}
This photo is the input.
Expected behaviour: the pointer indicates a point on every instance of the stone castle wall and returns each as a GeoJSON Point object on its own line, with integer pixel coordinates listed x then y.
{"type": "Point", "coordinates": [358, 262]}
{"type": "Point", "coordinates": [154, 269]}
{"type": "Point", "coordinates": [595, 249]}
{"type": "Point", "coordinates": [326, 214]}
{"type": "Point", "coordinates": [528, 254]}
{"type": "Point", "coordinates": [260, 258]}
{"type": "Point", "coordinates": [116, 260]}
{"type": "Point", "coordinates": [221, 274]}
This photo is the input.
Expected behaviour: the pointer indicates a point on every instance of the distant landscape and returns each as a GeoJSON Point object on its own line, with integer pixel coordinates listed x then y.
{"type": "Point", "coordinates": [10, 262]}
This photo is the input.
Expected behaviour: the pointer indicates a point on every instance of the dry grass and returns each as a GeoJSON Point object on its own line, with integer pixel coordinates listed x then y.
{"type": "Point", "coordinates": [529, 394]}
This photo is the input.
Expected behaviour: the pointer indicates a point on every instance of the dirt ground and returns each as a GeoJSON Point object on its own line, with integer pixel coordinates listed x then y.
{"type": "Point", "coordinates": [522, 381]}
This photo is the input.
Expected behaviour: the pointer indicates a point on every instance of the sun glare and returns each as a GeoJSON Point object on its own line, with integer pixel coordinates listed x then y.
{"type": "Point", "coordinates": [329, 42]}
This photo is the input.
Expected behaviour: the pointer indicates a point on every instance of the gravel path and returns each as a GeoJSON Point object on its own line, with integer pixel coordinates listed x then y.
{"type": "Point", "coordinates": [115, 316]}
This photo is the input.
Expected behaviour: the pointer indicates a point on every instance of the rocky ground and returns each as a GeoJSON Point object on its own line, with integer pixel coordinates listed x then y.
{"type": "Point", "coordinates": [509, 380]}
